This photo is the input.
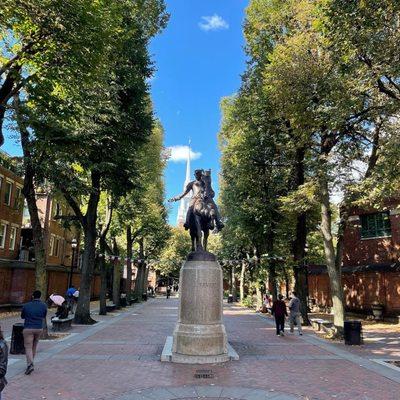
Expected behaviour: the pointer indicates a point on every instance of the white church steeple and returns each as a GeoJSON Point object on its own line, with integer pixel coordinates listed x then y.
{"type": "Point", "coordinates": [184, 203]}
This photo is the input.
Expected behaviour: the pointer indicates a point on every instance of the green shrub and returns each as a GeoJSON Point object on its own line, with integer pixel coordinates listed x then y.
{"type": "Point", "coordinates": [248, 301]}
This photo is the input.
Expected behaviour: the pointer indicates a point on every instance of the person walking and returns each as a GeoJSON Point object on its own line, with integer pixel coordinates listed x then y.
{"type": "Point", "coordinates": [279, 311]}
{"type": "Point", "coordinates": [33, 313]}
{"type": "Point", "coordinates": [294, 313]}
{"type": "Point", "coordinates": [3, 362]}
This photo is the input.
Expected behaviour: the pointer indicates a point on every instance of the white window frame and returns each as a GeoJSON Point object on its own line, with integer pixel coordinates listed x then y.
{"type": "Point", "coordinates": [3, 240]}
{"type": "Point", "coordinates": [13, 237]}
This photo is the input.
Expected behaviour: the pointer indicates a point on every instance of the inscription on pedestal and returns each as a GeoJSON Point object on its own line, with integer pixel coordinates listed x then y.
{"type": "Point", "coordinates": [208, 284]}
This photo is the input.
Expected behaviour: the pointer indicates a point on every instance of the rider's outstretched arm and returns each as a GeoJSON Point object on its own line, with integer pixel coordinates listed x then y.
{"type": "Point", "coordinates": [187, 190]}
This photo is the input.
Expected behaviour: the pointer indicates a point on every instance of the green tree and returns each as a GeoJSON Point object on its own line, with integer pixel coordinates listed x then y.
{"type": "Point", "coordinates": [96, 149]}
{"type": "Point", "coordinates": [47, 46]}
{"type": "Point", "coordinates": [178, 246]}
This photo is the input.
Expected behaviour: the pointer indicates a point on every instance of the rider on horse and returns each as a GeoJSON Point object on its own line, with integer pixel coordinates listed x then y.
{"type": "Point", "coordinates": [200, 198]}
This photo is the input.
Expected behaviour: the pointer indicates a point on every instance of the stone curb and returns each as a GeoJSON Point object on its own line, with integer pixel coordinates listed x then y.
{"type": "Point", "coordinates": [214, 392]}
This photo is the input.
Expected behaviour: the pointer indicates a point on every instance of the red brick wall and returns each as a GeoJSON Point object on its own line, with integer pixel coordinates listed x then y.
{"type": "Point", "coordinates": [17, 284]}
{"type": "Point", "coordinates": [319, 289]}
{"type": "Point", "coordinates": [361, 289]}
{"type": "Point", "coordinates": [359, 251]}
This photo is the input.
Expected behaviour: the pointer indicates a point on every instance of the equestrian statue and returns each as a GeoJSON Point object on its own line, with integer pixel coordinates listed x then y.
{"type": "Point", "coordinates": [203, 214]}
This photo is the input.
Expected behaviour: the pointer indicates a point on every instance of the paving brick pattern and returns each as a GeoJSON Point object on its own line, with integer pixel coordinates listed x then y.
{"type": "Point", "coordinates": [118, 359]}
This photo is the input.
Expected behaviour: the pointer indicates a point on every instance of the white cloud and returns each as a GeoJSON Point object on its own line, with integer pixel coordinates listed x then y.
{"type": "Point", "coordinates": [213, 23]}
{"type": "Point", "coordinates": [180, 153]}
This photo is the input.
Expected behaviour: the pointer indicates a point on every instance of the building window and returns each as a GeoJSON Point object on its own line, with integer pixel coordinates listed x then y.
{"type": "Point", "coordinates": [7, 193]}
{"type": "Point", "coordinates": [375, 225]}
{"type": "Point", "coordinates": [18, 201]}
{"type": "Point", "coordinates": [13, 237]}
{"type": "Point", "coordinates": [56, 247]}
{"type": "Point", "coordinates": [51, 245]}
{"type": "Point", "coordinates": [57, 210]}
{"type": "Point", "coordinates": [3, 231]}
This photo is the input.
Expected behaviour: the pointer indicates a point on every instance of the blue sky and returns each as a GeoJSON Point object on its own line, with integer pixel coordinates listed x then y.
{"type": "Point", "coordinates": [196, 67]}
{"type": "Point", "coordinates": [199, 58]}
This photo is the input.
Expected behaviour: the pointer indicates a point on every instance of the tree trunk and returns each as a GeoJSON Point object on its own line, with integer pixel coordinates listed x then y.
{"type": "Point", "coordinates": [139, 280]}
{"type": "Point", "coordinates": [140, 271]}
{"type": "Point", "coordinates": [287, 284]}
{"type": "Point", "coordinates": [234, 289]}
{"type": "Point", "coordinates": [272, 279]}
{"type": "Point", "coordinates": [103, 266]}
{"type": "Point", "coordinates": [269, 246]}
{"type": "Point", "coordinates": [129, 254]}
{"type": "Point", "coordinates": [242, 278]}
{"type": "Point", "coordinates": [146, 278]}
{"type": "Point", "coordinates": [116, 276]}
{"type": "Point", "coordinates": [230, 278]}
{"type": "Point", "coordinates": [300, 270]}
{"type": "Point", "coordinates": [82, 314]}
{"type": "Point", "coordinates": [29, 192]}
{"type": "Point", "coordinates": [334, 271]}
{"type": "Point", "coordinates": [259, 298]}
{"type": "Point", "coordinates": [103, 282]}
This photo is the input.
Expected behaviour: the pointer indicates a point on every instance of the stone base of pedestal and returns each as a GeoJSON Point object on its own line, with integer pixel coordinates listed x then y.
{"type": "Point", "coordinates": [200, 340]}
{"type": "Point", "coordinates": [168, 355]}
{"type": "Point", "coordinates": [199, 336]}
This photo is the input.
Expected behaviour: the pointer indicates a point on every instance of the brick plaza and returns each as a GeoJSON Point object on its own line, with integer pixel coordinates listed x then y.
{"type": "Point", "coordinates": [118, 359]}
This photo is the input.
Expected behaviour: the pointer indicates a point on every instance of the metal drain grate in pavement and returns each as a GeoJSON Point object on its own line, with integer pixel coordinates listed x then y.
{"type": "Point", "coordinates": [204, 374]}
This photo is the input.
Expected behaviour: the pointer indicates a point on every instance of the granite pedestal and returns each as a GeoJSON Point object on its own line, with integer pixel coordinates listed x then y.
{"type": "Point", "coordinates": [199, 336]}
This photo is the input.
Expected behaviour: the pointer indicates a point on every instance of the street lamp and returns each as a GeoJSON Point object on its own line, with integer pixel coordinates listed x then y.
{"type": "Point", "coordinates": [74, 245]}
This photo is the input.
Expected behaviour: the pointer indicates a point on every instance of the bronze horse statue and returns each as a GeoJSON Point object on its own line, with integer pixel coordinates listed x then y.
{"type": "Point", "coordinates": [204, 215]}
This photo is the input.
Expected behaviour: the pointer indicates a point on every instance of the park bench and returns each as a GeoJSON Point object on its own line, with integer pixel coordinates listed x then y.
{"type": "Point", "coordinates": [318, 323]}
{"type": "Point", "coordinates": [62, 325]}
{"type": "Point", "coordinates": [133, 300]}
{"type": "Point", "coordinates": [111, 307]}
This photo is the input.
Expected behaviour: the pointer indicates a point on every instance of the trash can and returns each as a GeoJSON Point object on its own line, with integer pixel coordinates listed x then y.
{"type": "Point", "coordinates": [144, 296]}
{"type": "Point", "coordinates": [123, 302]}
{"type": "Point", "coordinates": [352, 333]}
{"type": "Point", "coordinates": [230, 298]}
{"type": "Point", "coordinates": [17, 339]}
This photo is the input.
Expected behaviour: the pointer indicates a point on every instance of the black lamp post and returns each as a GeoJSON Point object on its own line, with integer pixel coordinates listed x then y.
{"type": "Point", "coordinates": [74, 245]}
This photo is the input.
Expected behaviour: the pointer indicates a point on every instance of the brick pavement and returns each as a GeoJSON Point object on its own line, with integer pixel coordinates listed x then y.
{"type": "Point", "coordinates": [118, 359]}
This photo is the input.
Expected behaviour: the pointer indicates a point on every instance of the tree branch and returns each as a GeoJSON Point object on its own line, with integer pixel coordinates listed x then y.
{"type": "Point", "coordinates": [74, 205]}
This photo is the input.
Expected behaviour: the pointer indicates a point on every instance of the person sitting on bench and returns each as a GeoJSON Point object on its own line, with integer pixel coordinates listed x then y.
{"type": "Point", "coordinates": [62, 306]}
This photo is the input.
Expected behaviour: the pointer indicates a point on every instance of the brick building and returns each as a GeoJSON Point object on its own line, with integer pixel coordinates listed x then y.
{"type": "Point", "coordinates": [371, 261]}
{"type": "Point", "coordinates": [58, 237]}
{"type": "Point", "coordinates": [17, 271]}
{"type": "Point", "coordinates": [11, 207]}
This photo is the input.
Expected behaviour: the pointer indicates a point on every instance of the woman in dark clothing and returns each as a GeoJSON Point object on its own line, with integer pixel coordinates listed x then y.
{"type": "Point", "coordinates": [62, 311]}
{"type": "Point", "coordinates": [279, 311]}
{"type": "Point", "coordinates": [3, 362]}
